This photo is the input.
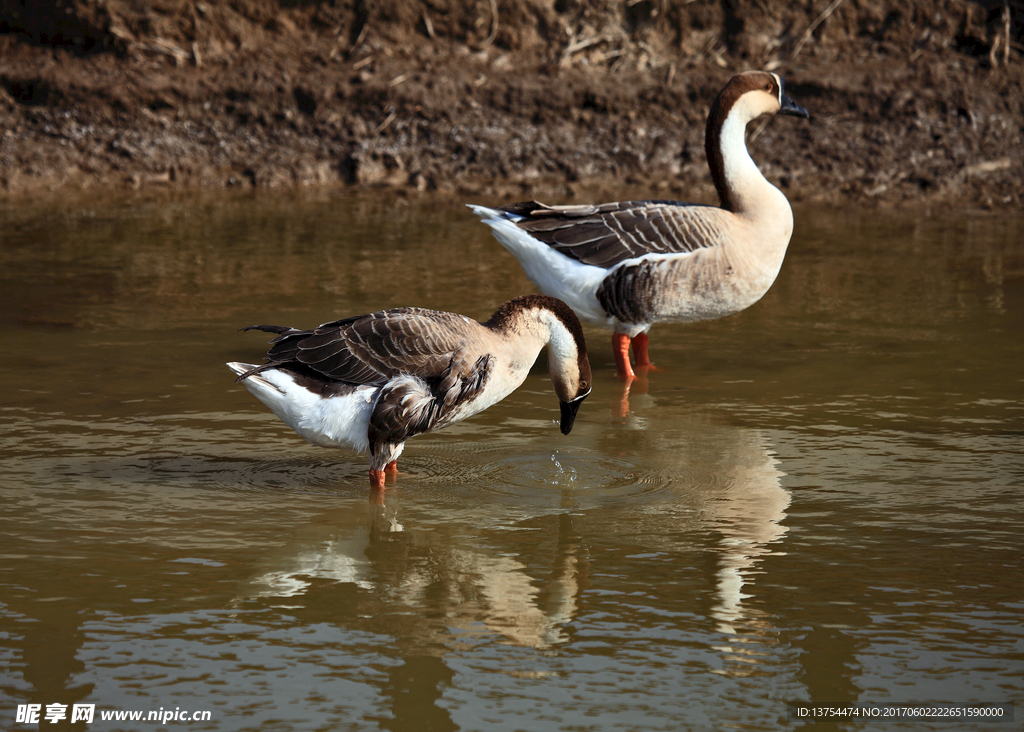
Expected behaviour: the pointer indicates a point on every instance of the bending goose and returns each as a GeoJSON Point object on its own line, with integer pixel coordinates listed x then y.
{"type": "Point", "coordinates": [373, 381]}
{"type": "Point", "coordinates": [628, 265]}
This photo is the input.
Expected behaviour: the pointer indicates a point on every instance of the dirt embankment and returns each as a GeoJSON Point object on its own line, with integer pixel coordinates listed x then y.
{"type": "Point", "coordinates": [915, 101]}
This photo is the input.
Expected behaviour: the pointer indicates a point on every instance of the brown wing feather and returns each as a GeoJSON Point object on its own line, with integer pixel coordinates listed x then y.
{"type": "Point", "coordinates": [412, 406]}
{"type": "Point", "coordinates": [610, 233]}
{"type": "Point", "coordinates": [371, 349]}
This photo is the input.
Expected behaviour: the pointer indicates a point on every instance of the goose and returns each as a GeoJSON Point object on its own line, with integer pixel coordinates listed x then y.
{"type": "Point", "coordinates": [630, 264]}
{"type": "Point", "coordinates": [371, 382]}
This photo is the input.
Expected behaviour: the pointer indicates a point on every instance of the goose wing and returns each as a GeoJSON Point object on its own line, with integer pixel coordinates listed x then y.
{"type": "Point", "coordinates": [607, 234]}
{"type": "Point", "coordinates": [409, 406]}
{"type": "Point", "coordinates": [374, 348]}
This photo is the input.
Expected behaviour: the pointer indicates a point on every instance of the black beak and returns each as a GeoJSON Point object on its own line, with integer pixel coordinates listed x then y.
{"type": "Point", "coordinates": [569, 410]}
{"type": "Point", "coordinates": [791, 108]}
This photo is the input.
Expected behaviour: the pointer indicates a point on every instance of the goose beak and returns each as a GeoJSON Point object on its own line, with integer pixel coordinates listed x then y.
{"type": "Point", "coordinates": [791, 108]}
{"type": "Point", "coordinates": [569, 410]}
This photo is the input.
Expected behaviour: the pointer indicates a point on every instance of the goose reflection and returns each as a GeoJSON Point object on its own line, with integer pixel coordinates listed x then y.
{"type": "Point", "coordinates": [719, 486]}
{"type": "Point", "coordinates": [437, 572]}
{"type": "Point", "coordinates": [337, 559]}
{"type": "Point", "coordinates": [443, 583]}
{"type": "Point", "coordinates": [749, 519]}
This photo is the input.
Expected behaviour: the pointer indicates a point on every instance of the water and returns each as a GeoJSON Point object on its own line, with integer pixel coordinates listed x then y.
{"type": "Point", "coordinates": [819, 500]}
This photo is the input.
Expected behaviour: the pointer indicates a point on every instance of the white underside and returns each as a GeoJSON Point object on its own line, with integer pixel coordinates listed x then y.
{"type": "Point", "coordinates": [552, 272]}
{"type": "Point", "coordinates": [338, 421]}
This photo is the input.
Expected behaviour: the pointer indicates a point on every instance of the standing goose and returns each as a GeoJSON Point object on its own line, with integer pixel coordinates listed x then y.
{"type": "Point", "coordinates": [628, 265]}
{"type": "Point", "coordinates": [373, 381]}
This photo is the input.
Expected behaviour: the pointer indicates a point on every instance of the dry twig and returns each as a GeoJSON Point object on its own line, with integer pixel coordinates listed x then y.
{"type": "Point", "coordinates": [494, 25]}
{"type": "Point", "coordinates": [813, 26]}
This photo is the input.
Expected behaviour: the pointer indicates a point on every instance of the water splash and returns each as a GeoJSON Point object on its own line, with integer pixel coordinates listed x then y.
{"type": "Point", "coordinates": [563, 476]}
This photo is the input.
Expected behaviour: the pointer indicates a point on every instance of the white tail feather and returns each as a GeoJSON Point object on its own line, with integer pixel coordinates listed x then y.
{"type": "Point", "coordinates": [551, 271]}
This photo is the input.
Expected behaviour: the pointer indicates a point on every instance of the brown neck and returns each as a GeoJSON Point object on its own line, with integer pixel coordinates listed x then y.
{"type": "Point", "coordinates": [506, 315]}
{"type": "Point", "coordinates": [713, 148]}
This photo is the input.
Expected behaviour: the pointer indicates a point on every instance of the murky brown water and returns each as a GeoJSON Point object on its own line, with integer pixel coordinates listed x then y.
{"type": "Point", "coordinates": [819, 500]}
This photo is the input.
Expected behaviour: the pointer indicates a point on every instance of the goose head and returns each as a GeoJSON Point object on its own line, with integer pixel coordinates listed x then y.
{"type": "Point", "coordinates": [571, 378]}
{"type": "Point", "coordinates": [752, 94]}
{"type": "Point", "coordinates": [568, 365]}
{"type": "Point", "coordinates": [552, 323]}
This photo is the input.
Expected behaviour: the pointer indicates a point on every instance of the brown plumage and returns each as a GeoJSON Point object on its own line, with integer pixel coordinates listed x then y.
{"type": "Point", "coordinates": [373, 381]}
{"type": "Point", "coordinates": [630, 264]}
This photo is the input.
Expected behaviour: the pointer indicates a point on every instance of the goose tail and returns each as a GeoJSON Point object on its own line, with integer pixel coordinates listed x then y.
{"type": "Point", "coordinates": [250, 374]}
{"type": "Point", "coordinates": [494, 215]}
{"type": "Point", "coordinates": [279, 329]}
{"type": "Point", "coordinates": [552, 272]}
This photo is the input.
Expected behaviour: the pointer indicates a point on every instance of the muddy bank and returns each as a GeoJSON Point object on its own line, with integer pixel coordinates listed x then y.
{"type": "Point", "coordinates": [912, 102]}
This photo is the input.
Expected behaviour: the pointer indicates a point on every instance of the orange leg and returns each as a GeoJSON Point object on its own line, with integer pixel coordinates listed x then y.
{"type": "Point", "coordinates": [377, 479]}
{"type": "Point", "coordinates": [620, 347]}
{"type": "Point", "coordinates": [640, 350]}
{"type": "Point", "coordinates": [391, 467]}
